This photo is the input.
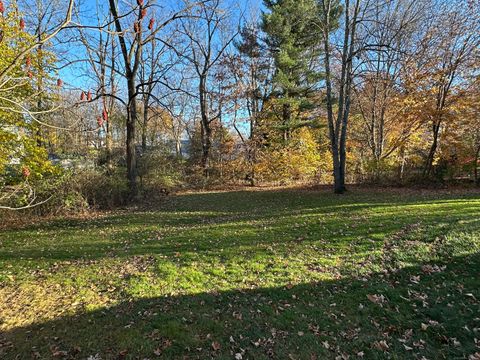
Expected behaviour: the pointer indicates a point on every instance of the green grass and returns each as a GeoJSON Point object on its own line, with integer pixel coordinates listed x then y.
{"type": "Point", "coordinates": [291, 274]}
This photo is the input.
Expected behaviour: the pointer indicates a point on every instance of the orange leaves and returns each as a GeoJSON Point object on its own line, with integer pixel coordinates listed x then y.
{"type": "Point", "coordinates": [25, 172]}
{"type": "Point", "coordinates": [21, 24]}
{"type": "Point", "coordinates": [86, 96]}
{"type": "Point", "coordinates": [151, 24]}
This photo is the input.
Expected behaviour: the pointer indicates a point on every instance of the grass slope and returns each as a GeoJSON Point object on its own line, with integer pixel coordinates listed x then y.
{"type": "Point", "coordinates": [291, 274]}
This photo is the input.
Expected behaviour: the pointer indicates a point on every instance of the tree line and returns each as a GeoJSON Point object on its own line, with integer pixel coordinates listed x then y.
{"type": "Point", "coordinates": [217, 92]}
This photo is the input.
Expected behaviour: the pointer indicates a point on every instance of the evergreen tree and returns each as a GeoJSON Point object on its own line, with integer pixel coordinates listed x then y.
{"type": "Point", "coordinates": [291, 37]}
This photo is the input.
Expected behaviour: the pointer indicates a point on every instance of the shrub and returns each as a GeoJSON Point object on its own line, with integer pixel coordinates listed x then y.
{"type": "Point", "coordinates": [158, 169]}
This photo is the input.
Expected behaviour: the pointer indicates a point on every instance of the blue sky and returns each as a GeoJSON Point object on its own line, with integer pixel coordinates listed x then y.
{"type": "Point", "coordinates": [77, 76]}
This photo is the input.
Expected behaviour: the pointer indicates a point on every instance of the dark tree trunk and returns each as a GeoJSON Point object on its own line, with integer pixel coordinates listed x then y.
{"type": "Point", "coordinates": [206, 146]}
{"type": "Point", "coordinates": [206, 130]}
{"type": "Point", "coordinates": [130, 143]}
{"type": "Point", "coordinates": [341, 188]}
{"type": "Point", "coordinates": [130, 75]}
{"type": "Point", "coordinates": [338, 125]}
{"type": "Point", "coordinates": [427, 171]}
{"type": "Point", "coordinates": [338, 183]}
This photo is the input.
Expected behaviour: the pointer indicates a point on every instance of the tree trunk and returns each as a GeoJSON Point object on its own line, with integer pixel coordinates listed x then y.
{"type": "Point", "coordinates": [108, 146]}
{"type": "Point", "coordinates": [130, 75]}
{"type": "Point", "coordinates": [178, 148]}
{"type": "Point", "coordinates": [338, 186]}
{"type": "Point", "coordinates": [206, 146]}
{"type": "Point", "coordinates": [130, 143]}
{"type": "Point", "coordinates": [341, 188]}
{"type": "Point", "coordinates": [338, 127]}
{"type": "Point", "coordinates": [427, 171]}
{"type": "Point", "coordinates": [206, 131]}
{"type": "Point", "coordinates": [111, 107]}
{"type": "Point", "coordinates": [475, 166]}
{"type": "Point", "coordinates": [287, 116]}
{"type": "Point", "coordinates": [251, 162]}
{"type": "Point", "coordinates": [401, 169]}
{"type": "Point", "coordinates": [144, 127]}
{"type": "Point", "coordinates": [108, 132]}
{"type": "Point", "coordinates": [40, 91]}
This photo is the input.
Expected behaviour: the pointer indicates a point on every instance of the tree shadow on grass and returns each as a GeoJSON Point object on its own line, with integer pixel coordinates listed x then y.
{"type": "Point", "coordinates": [217, 207]}
{"type": "Point", "coordinates": [166, 233]}
{"type": "Point", "coordinates": [426, 310]}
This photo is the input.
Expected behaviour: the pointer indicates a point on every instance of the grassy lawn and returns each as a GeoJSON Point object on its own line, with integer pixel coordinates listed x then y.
{"type": "Point", "coordinates": [291, 274]}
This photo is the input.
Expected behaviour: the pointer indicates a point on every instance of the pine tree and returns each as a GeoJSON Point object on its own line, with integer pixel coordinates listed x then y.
{"type": "Point", "coordinates": [291, 37]}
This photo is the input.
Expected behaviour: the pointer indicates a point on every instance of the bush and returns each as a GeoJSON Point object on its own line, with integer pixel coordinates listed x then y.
{"type": "Point", "coordinates": [297, 161]}
{"type": "Point", "coordinates": [98, 189]}
{"type": "Point", "coordinates": [82, 190]}
{"type": "Point", "coordinates": [158, 169]}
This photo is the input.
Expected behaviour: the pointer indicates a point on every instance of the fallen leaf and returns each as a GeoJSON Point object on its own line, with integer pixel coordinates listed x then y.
{"type": "Point", "coordinates": [216, 346]}
{"type": "Point", "coordinates": [381, 345]}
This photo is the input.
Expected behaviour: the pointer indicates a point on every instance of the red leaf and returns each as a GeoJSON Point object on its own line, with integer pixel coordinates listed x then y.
{"type": "Point", "coordinates": [83, 96]}
{"type": "Point", "coordinates": [105, 115]}
{"type": "Point", "coordinates": [99, 121]}
{"type": "Point", "coordinates": [140, 2]}
{"type": "Point", "coordinates": [2, 8]}
{"type": "Point", "coordinates": [28, 61]}
{"type": "Point", "coordinates": [151, 23]}
{"type": "Point", "coordinates": [22, 24]}
{"type": "Point", "coordinates": [143, 13]}
{"type": "Point", "coordinates": [59, 82]}
{"type": "Point", "coordinates": [89, 95]}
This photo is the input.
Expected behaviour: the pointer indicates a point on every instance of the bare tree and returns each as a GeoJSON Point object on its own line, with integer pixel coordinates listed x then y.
{"type": "Point", "coordinates": [252, 72]}
{"type": "Point", "coordinates": [100, 49]}
{"type": "Point", "coordinates": [134, 33]}
{"type": "Point", "coordinates": [338, 123]}
{"type": "Point", "coordinates": [208, 38]}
